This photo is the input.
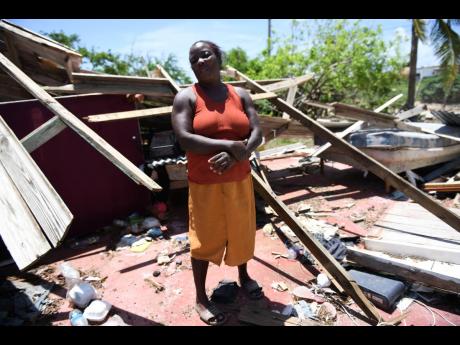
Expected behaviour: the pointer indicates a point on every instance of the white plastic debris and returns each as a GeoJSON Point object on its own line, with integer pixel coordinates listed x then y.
{"type": "Point", "coordinates": [115, 320]}
{"type": "Point", "coordinates": [81, 294]}
{"type": "Point", "coordinates": [71, 275]}
{"type": "Point", "coordinates": [97, 311]}
{"type": "Point", "coordinates": [323, 281]}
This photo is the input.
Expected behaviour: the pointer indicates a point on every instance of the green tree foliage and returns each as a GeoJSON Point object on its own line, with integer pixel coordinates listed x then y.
{"type": "Point", "coordinates": [446, 44]}
{"type": "Point", "coordinates": [114, 63]}
{"type": "Point", "coordinates": [432, 90]}
{"type": "Point", "coordinates": [351, 62]}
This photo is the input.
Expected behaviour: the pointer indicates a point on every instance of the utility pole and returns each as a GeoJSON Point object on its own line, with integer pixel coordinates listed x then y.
{"type": "Point", "coordinates": [269, 36]}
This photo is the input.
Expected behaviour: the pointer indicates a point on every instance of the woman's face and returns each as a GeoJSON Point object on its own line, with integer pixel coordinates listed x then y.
{"type": "Point", "coordinates": [204, 62]}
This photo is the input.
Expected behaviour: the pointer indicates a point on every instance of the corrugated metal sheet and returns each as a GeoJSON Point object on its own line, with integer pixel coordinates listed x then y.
{"type": "Point", "coordinates": [447, 117]}
{"type": "Point", "coordinates": [170, 160]}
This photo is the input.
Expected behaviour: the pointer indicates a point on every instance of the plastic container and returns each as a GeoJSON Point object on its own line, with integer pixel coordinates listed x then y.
{"type": "Point", "coordinates": [97, 311]}
{"type": "Point", "coordinates": [115, 320]}
{"type": "Point", "coordinates": [81, 294]}
{"type": "Point", "coordinates": [77, 319]}
{"type": "Point", "coordinates": [323, 280]}
{"type": "Point", "coordinates": [71, 275]}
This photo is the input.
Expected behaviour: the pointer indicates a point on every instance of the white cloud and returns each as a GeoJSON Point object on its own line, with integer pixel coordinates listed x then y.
{"type": "Point", "coordinates": [178, 38]}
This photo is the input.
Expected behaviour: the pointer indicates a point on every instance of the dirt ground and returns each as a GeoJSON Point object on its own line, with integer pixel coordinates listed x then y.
{"type": "Point", "coordinates": [125, 278]}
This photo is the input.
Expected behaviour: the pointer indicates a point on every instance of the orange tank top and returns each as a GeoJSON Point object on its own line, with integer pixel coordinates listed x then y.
{"type": "Point", "coordinates": [218, 120]}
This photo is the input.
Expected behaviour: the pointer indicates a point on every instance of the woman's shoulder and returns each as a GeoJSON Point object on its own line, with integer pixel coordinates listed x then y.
{"type": "Point", "coordinates": [186, 95]}
{"type": "Point", "coordinates": [242, 93]}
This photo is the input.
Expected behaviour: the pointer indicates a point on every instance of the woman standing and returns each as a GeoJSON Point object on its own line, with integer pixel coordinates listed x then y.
{"type": "Point", "coordinates": [218, 127]}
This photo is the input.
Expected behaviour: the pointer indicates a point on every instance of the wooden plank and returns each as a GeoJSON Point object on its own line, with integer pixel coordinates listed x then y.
{"type": "Point", "coordinates": [420, 220]}
{"type": "Point", "coordinates": [412, 237]}
{"type": "Point", "coordinates": [12, 52]}
{"type": "Point", "coordinates": [87, 78]}
{"type": "Point", "coordinates": [285, 84]}
{"type": "Point", "coordinates": [319, 105]}
{"type": "Point", "coordinates": [447, 186]}
{"type": "Point", "coordinates": [411, 112]}
{"type": "Point", "coordinates": [165, 74]}
{"type": "Point", "coordinates": [290, 99]}
{"type": "Point", "coordinates": [426, 230]}
{"type": "Point", "coordinates": [45, 203]}
{"type": "Point", "coordinates": [79, 127]}
{"type": "Point", "coordinates": [113, 89]}
{"type": "Point", "coordinates": [357, 113]}
{"type": "Point", "coordinates": [241, 83]}
{"type": "Point", "coordinates": [42, 134]}
{"type": "Point", "coordinates": [143, 113]}
{"type": "Point", "coordinates": [399, 248]}
{"type": "Point", "coordinates": [372, 165]}
{"type": "Point", "coordinates": [132, 114]}
{"type": "Point", "coordinates": [403, 270]}
{"type": "Point", "coordinates": [333, 268]}
{"type": "Point", "coordinates": [411, 208]}
{"type": "Point", "coordinates": [19, 230]}
{"type": "Point", "coordinates": [37, 38]}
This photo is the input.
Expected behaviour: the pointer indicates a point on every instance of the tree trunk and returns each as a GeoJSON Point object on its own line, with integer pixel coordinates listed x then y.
{"type": "Point", "coordinates": [412, 69]}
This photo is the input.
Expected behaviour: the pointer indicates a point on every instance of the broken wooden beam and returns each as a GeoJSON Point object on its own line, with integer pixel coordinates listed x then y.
{"type": "Point", "coordinates": [286, 84]}
{"type": "Point", "coordinates": [424, 250]}
{"type": "Point", "coordinates": [370, 260]}
{"type": "Point", "coordinates": [172, 82]}
{"type": "Point", "coordinates": [152, 91]}
{"type": "Point", "coordinates": [42, 134]}
{"type": "Point", "coordinates": [443, 187]}
{"type": "Point", "coordinates": [44, 202]}
{"type": "Point", "coordinates": [349, 111]}
{"type": "Point", "coordinates": [371, 164]}
{"type": "Point", "coordinates": [19, 230]}
{"type": "Point", "coordinates": [411, 112]}
{"type": "Point", "coordinates": [326, 260]}
{"type": "Point", "coordinates": [79, 127]}
{"type": "Point", "coordinates": [160, 111]}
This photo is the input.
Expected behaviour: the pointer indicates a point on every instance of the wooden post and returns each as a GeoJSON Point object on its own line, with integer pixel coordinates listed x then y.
{"type": "Point", "coordinates": [372, 165]}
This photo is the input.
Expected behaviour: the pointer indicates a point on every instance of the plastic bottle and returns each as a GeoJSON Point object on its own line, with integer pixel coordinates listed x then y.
{"type": "Point", "coordinates": [292, 250]}
{"type": "Point", "coordinates": [71, 275]}
{"type": "Point", "coordinates": [77, 319]}
{"type": "Point", "coordinates": [81, 294]}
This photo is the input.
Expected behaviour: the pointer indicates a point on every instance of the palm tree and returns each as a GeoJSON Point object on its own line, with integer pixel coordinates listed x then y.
{"type": "Point", "coordinates": [446, 44]}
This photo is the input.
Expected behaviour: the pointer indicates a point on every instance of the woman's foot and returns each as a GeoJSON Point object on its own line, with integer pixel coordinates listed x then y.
{"type": "Point", "coordinates": [253, 289]}
{"type": "Point", "coordinates": [210, 314]}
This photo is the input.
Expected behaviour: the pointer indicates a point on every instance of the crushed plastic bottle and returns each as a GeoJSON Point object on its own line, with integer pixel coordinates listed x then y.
{"type": "Point", "coordinates": [77, 319]}
{"type": "Point", "coordinates": [81, 294]}
{"type": "Point", "coordinates": [323, 280]}
{"type": "Point", "coordinates": [71, 275]}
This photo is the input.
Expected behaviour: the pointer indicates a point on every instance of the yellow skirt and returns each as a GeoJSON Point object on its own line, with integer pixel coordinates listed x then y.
{"type": "Point", "coordinates": [222, 220]}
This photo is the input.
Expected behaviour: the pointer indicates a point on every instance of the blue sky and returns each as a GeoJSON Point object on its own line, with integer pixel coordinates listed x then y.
{"type": "Point", "coordinates": [159, 37]}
